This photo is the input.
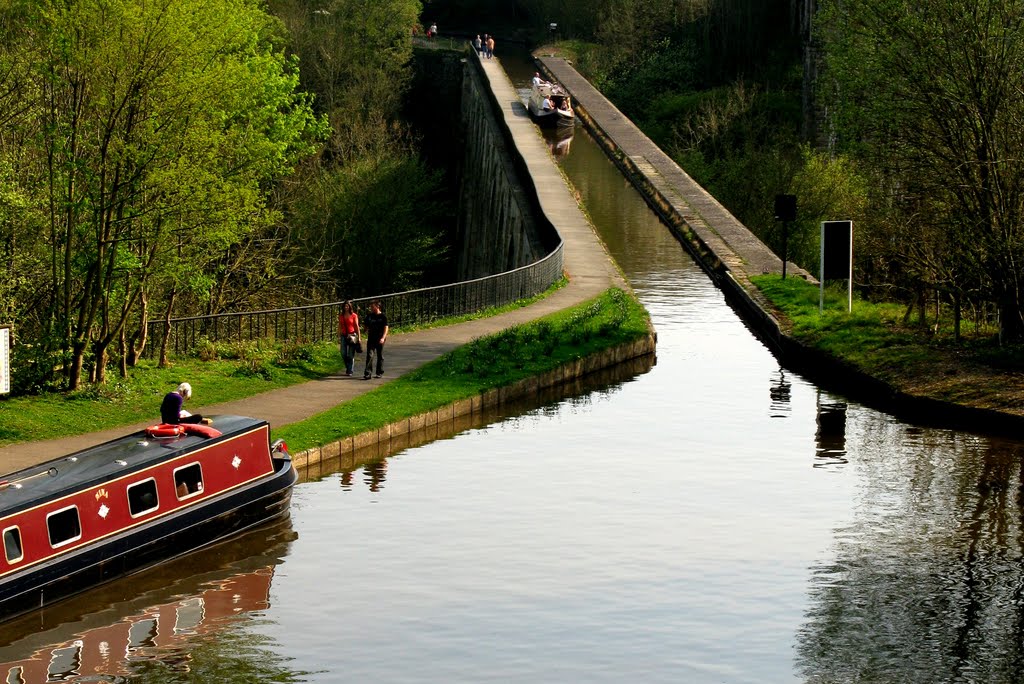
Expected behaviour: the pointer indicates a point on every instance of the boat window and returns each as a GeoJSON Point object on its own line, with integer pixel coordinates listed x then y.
{"type": "Point", "coordinates": [15, 675]}
{"type": "Point", "coordinates": [12, 545]}
{"type": "Point", "coordinates": [64, 526]}
{"type": "Point", "coordinates": [143, 633]}
{"type": "Point", "coordinates": [65, 662]}
{"type": "Point", "coordinates": [188, 480]}
{"type": "Point", "coordinates": [142, 497]}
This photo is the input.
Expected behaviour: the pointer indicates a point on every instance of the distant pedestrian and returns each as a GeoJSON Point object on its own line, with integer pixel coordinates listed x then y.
{"type": "Point", "coordinates": [432, 31]}
{"type": "Point", "coordinates": [478, 44]}
{"type": "Point", "coordinates": [490, 46]}
{"type": "Point", "coordinates": [376, 336]}
{"type": "Point", "coordinates": [349, 337]}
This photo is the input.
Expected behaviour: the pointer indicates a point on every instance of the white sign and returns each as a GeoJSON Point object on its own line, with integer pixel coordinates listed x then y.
{"type": "Point", "coordinates": [5, 359]}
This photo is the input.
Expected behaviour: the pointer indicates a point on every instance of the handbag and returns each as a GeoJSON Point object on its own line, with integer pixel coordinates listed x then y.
{"type": "Point", "coordinates": [359, 346]}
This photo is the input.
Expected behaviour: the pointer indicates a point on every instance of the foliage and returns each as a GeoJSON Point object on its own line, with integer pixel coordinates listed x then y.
{"type": "Point", "coordinates": [145, 134]}
{"type": "Point", "coordinates": [354, 58]}
{"type": "Point", "coordinates": [367, 238]}
{"type": "Point", "coordinates": [489, 362]}
{"type": "Point", "coordinates": [928, 93]}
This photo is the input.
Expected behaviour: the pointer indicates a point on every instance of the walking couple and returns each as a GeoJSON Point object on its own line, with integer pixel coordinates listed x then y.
{"type": "Point", "coordinates": [352, 341]}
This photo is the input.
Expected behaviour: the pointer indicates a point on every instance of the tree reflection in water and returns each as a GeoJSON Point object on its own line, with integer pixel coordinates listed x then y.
{"type": "Point", "coordinates": [927, 583]}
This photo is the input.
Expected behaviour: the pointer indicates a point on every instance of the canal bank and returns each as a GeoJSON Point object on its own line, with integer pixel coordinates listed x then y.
{"type": "Point", "coordinates": [731, 254]}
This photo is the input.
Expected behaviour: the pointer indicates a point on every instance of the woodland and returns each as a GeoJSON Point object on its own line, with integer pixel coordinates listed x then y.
{"type": "Point", "coordinates": [163, 158]}
{"type": "Point", "coordinates": [906, 117]}
{"type": "Point", "coordinates": [166, 158]}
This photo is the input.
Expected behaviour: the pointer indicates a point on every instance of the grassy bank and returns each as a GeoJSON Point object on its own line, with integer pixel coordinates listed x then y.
{"type": "Point", "coordinates": [489, 362]}
{"type": "Point", "coordinates": [228, 372]}
{"type": "Point", "coordinates": [224, 371]}
{"type": "Point", "coordinates": [922, 361]}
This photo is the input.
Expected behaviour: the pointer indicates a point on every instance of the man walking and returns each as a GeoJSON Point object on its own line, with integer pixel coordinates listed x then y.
{"type": "Point", "coordinates": [376, 335]}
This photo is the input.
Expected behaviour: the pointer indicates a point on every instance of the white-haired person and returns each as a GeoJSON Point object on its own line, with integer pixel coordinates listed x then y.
{"type": "Point", "coordinates": [171, 411]}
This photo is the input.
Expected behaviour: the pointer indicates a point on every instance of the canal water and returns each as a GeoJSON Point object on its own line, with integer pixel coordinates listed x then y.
{"type": "Point", "coordinates": [716, 519]}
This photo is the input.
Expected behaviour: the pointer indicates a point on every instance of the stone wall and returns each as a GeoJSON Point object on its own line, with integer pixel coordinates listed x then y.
{"type": "Point", "coordinates": [497, 228]}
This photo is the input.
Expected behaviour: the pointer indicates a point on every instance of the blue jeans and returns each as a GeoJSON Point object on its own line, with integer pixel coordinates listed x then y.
{"type": "Point", "coordinates": [348, 353]}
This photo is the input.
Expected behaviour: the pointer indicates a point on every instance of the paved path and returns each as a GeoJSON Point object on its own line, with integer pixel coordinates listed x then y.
{"type": "Point", "coordinates": [587, 264]}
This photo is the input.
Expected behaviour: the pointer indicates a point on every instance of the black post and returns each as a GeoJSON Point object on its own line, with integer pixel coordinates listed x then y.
{"type": "Point", "coordinates": [785, 211]}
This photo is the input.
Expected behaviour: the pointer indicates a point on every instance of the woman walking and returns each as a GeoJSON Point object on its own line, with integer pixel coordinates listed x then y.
{"type": "Point", "coordinates": [348, 334]}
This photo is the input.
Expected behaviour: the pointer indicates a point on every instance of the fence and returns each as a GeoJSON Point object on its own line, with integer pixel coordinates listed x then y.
{"type": "Point", "coordinates": [318, 322]}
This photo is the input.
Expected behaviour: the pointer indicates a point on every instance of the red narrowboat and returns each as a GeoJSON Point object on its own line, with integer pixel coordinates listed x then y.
{"type": "Point", "coordinates": [125, 505]}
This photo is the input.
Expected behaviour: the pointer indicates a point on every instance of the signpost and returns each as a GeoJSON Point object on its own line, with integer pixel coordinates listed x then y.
{"type": "Point", "coordinates": [5, 359]}
{"type": "Point", "coordinates": [836, 258]}
{"type": "Point", "coordinates": [785, 211]}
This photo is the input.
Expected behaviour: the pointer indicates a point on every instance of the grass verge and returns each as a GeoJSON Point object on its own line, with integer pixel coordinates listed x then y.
{"type": "Point", "coordinates": [921, 361]}
{"type": "Point", "coordinates": [218, 373]}
{"type": "Point", "coordinates": [486, 363]}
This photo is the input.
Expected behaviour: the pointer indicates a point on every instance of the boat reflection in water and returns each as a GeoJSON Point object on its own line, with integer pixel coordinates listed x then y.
{"type": "Point", "coordinates": [102, 636]}
{"type": "Point", "coordinates": [559, 139]}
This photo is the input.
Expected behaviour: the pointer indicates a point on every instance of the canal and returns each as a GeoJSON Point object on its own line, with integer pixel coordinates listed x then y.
{"type": "Point", "coordinates": [716, 519]}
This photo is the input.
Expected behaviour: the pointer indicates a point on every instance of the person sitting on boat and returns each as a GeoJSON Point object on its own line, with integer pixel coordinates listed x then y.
{"type": "Point", "coordinates": [546, 105]}
{"type": "Point", "coordinates": [537, 80]}
{"type": "Point", "coordinates": [171, 412]}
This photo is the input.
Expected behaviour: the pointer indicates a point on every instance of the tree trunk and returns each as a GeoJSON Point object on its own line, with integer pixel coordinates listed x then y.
{"type": "Point", "coordinates": [100, 364]}
{"type": "Point", "coordinates": [167, 329]}
{"type": "Point", "coordinates": [1011, 324]}
{"type": "Point", "coordinates": [137, 346]}
{"type": "Point", "coordinates": [77, 359]}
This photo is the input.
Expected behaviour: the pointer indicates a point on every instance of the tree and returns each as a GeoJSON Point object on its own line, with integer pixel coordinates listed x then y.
{"type": "Point", "coordinates": [930, 92]}
{"type": "Point", "coordinates": [154, 128]}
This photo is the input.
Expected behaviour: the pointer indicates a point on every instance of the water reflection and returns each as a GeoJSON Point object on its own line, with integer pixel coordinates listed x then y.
{"type": "Point", "coordinates": [374, 474]}
{"type": "Point", "coordinates": [830, 437]}
{"type": "Point", "coordinates": [559, 139]}
{"type": "Point", "coordinates": [926, 586]}
{"type": "Point", "coordinates": [780, 392]}
{"type": "Point", "coordinates": [171, 615]}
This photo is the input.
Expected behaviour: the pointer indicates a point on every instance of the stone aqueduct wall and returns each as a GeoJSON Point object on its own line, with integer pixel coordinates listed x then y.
{"type": "Point", "coordinates": [498, 227]}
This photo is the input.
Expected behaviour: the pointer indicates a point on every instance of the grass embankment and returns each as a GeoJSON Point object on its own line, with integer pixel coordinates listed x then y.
{"type": "Point", "coordinates": [224, 372]}
{"type": "Point", "coordinates": [231, 372]}
{"type": "Point", "coordinates": [239, 371]}
{"type": "Point", "coordinates": [919, 360]}
{"type": "Point", "coordinates": [493, 361]}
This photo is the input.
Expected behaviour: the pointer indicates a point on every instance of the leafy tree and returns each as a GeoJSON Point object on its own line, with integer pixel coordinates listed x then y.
{"type": "Point", "coordinates": [928, 92]}
{"type": "Point", "coordinates": [148, 132]}
{"type": "Point", "coordinates": [365, 238]}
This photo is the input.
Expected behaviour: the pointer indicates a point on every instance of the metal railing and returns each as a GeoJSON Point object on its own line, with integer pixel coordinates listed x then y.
{"type": "Point", "coordinates": [318, 322]}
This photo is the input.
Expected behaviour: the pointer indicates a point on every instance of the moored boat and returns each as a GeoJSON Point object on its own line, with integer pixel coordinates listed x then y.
{"type": "Point", "coordinates": [116, 508]}
{"type": "Point", "coordinates": [550, 104]}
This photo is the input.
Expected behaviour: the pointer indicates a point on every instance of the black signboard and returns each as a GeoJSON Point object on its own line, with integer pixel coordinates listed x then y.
{"type": "Point", "coordinates": [836, 249]}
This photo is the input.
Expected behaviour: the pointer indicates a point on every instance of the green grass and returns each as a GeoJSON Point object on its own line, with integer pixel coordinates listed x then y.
{"type": "Point", "coordinates": [486, 363]}
{"type": "Point", "coordinates": [876, 339]}
{"type": "Point", "coordinates": [218, 373]}
{"type": "Point", "coordinates": [241, 371]}
{"type": "Point", "coordinates": [872, 336]}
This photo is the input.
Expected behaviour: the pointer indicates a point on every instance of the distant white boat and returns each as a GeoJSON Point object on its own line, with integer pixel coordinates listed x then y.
{"type": "Point", "coordinates": [550, 105]}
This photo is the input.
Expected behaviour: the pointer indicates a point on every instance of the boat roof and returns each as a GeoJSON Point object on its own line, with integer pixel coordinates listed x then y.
{"type": "Point", "coordinates": [547, 89]}
{"type": "Point", "coordinates": [105, 462]}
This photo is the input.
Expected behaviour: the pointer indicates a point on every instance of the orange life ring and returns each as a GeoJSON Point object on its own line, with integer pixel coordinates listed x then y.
{"type": "Point", "coordinates": [164, 430]}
